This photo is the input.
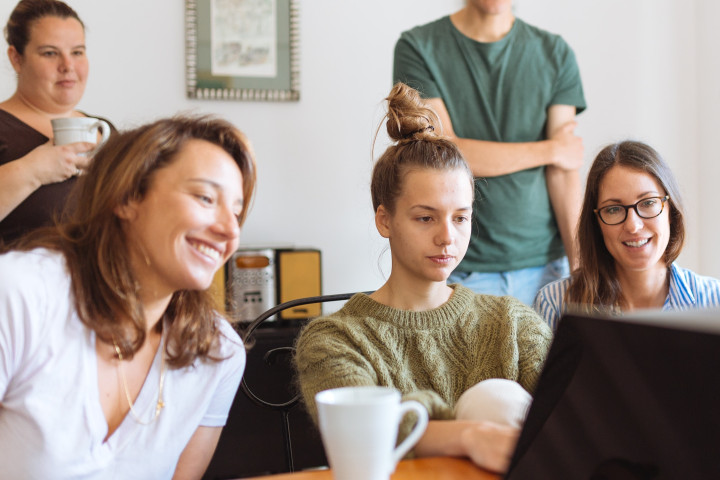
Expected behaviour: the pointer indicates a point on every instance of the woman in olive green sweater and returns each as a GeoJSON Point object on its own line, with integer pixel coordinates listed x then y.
{"type": "Point", "coordinates": [429, 340]}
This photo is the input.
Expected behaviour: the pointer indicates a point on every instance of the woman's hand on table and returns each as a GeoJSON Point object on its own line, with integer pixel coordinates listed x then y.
{"type": "Point", "coordinates": [490, 445]}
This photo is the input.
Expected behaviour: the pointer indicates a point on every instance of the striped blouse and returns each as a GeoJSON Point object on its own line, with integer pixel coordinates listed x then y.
{"type": "Point", "coordinates": [687, 291]}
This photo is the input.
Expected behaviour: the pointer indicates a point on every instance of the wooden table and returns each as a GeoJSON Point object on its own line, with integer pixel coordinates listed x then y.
{"type": "Point", "coordinates": [434, 468]}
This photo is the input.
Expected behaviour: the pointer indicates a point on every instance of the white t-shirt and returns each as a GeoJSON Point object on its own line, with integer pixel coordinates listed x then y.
{"type": "Point", "coordinates": [51, 421]}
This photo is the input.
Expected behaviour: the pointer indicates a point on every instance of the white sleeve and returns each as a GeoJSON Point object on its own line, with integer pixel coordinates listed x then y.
{"type": "Point", "coordinates": [21, 304]}
{"type": "Point", "coordinates": [232, 368]}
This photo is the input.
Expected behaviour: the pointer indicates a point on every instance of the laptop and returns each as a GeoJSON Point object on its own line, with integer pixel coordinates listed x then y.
{"type": "Point", "coordinates": [634, 397]}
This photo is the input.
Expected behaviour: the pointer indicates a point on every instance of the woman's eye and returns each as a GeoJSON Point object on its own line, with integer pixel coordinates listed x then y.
{"type": "Point", "coordinates": [462, 219]}
{"type": "Point", "coordinates": [424, 219]}
{"type": "Point", "coordinates": [649, 202]}
{"type": "Point", "coordinates": [204, 199]}
{"type": "Point", "coordinates": [614, 210]}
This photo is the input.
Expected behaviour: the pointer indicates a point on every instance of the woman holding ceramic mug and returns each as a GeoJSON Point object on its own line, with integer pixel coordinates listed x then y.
{"type": "Point", "coordinates": [46, 41]}
{"type": "Point", "coordinates": [631, 231]}
{"type": "Point", "coordinates": [436, 344]}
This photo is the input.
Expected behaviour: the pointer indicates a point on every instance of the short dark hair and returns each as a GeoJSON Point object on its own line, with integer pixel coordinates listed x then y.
{"type": "Point", "coordinates": [26, 13]}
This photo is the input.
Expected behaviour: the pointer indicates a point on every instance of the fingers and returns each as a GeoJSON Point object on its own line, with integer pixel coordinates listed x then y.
{"type": "Point", "coordinates": [80, 147]}
{"type": "Point", "coordinates": [490, 445]}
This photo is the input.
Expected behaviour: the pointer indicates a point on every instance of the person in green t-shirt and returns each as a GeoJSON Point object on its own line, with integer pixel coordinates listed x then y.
{"type": "Point", "coordinates": [507, 94]}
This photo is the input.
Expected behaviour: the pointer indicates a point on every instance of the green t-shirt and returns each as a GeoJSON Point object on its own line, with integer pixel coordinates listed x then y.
{"type": "Point", "coordinates": [500, 92]}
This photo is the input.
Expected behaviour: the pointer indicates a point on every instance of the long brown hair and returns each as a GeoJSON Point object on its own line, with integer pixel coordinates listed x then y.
{"type": "Point", "coordinates": [94, 244]}
{"type": "Point", "coordinates": [416, 130]}
{"type": "Point", "coordinates": [594, 286]}
{"type": "Point", "coordinates": [26, 13]}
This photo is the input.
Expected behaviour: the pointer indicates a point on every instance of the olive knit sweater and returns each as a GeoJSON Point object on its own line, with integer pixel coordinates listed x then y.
{"type": "Point", "coordinates": [431, 356]}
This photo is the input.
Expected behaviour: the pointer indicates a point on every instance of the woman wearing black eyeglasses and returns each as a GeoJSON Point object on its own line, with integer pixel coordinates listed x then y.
{"type": "Point", "coordinates": [631, 230]}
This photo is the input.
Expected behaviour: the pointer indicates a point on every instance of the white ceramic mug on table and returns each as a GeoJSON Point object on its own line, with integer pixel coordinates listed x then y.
{"type": "Point", "coordinates": [359, 428]}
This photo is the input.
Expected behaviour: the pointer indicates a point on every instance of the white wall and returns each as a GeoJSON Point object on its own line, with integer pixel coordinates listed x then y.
{"type": "Point", "coordinates": [638, 59]}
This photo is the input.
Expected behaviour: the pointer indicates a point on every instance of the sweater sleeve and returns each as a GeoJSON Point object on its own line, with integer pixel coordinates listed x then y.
{"type": "Point", "coordinates": [533, 339]}
{"type": "Point", "coordinates": [325, 359]}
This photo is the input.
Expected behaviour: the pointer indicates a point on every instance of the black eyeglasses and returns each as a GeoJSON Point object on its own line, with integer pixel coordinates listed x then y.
{"type": "Point", "coordinates": [649, 207]}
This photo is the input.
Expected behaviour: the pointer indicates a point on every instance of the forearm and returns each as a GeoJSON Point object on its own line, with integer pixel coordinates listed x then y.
{"type": "Point", "coordinates": [566, 198]}
{"type": "Point", "coordinates": [492, 159]}
{"type": "Point", "coordinates": [442, 438]}
{"type": "Point", "coordinates": [16, 184]}
{"type": "Point", "coordinates": [487, 444]}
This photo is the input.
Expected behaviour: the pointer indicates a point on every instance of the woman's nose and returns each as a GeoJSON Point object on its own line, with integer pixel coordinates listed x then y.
{"type": "Point", "coordinates": [444, 235]}
{"type": "Point", "coordinates": [633, 222]}
{"type": "Point", "coordinates": [227, 223]}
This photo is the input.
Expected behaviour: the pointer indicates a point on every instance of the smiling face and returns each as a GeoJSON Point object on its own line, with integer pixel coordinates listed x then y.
{"type": "Point", "coordinates": [429, 230]}
{"type": "Point", "coordinates": [186, 226]}
{"type": "Point", "coordinates": [637, 244]}
{"type": "Point", "coordinates": [53, 69]}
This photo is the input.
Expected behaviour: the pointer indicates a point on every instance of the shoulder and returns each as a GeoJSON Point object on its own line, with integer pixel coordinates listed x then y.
{"type": "Point", "coordinates": [34, 269]}
{"type": "Point", "coordinates": [689, 288]}
{"type": "Point", "coordinates": [531, 32]}
{"type": "Point", "coordinates": [504, 309]}
{"type": "Point", "coordinates": [428, 32]}
{"type": "Point", "coordinates": [343, 322]}
{"type": "Point", "coordinates": [553, 292]}
{"type": "Point", "coordinates": [230, 343]}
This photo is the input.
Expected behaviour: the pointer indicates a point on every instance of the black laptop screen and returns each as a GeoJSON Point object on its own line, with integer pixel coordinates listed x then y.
{"type": "Point", "coordinates": [626, 399]}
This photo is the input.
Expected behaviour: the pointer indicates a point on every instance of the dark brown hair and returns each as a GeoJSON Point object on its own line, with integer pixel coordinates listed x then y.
{"type": "Point", "coordinates": [94, 243]}
{"type": "Point", "coordinates": [416, 130]}
{"type": "Point", "coordinates": [26, 13]}
{"type": "Point", "coordinates": [594, 286]}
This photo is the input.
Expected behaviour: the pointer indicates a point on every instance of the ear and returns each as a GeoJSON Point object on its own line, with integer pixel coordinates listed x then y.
{"type": "Point", "coordinates": [382, 221]}
{"type": "Point", "coordinates": [15, 58]}
{"type": "Point", "coordinates": [126, 211]}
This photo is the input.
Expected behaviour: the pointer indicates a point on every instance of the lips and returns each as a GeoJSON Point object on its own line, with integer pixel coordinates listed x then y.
{"type": "Point", "coordinates": [67, 83]}
{"type": "Point", "coordinates": [207, 250]}
{"type": "Point", "coordinates": [442, 259]}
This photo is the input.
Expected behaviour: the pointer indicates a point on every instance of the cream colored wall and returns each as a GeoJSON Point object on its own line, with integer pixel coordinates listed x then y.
{"type": "Point", "coordinates": [639, 60]}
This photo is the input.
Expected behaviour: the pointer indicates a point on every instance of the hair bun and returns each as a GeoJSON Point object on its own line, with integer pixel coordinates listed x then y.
{"type": "Point", "coordinates": [408, 117]}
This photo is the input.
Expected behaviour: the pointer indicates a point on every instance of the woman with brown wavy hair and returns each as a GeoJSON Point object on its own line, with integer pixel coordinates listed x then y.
{"type": "Point", "coordinates": [112, 355]}
{"type": "Point", "coordinates": [630, 233]}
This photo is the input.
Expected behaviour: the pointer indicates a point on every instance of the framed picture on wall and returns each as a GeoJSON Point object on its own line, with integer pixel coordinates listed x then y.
{"type": "Point", "coordinates": [242, 49]}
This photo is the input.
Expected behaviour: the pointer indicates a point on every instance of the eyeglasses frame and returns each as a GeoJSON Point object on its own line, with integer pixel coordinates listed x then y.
{"type": "Point", "coordinates": [663, 200]}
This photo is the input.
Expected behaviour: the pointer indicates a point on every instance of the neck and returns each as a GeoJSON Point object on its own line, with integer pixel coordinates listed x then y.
{"type": "Point", "coordinates": [23, 104]}
{"type": "Point", "coordinates": [154, 309]}
{"type": "Point", "coordinates": [646, 289]}
{"type": "Point", "coordinates": [481, 26]}
{"type": "Point", "coordinates": [415, 296]}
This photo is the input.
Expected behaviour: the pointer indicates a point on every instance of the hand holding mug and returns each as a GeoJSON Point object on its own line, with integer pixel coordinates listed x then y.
{"type": "Point", "coordinates": [51, 164]}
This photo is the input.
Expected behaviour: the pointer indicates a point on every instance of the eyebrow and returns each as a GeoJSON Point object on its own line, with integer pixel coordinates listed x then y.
{"type": "Point", "coordinates": [617, 201]}
{"type": "Point", "coordinates": [239, 202]}
{"type": "Point", "coordinates": [433, 209]}
{"type": "Point", "coordinates": [75, 47]}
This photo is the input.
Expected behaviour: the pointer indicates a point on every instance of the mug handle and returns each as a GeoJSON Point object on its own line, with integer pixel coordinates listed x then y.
{"type": "Point", "coordinates": [415, 434]}
{"type": "Point", "coordinates": [104, 128]}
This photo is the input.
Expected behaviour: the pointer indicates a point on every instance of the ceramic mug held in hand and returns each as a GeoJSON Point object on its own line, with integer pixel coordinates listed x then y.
{"type": "Point", "coordinates": [79, 129]}
{"type": "Point", "coordinates": [359, 427]}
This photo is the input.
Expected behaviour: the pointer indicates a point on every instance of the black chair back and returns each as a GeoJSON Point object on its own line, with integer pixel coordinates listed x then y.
{"type": "Point", "coordinates": [268, 430]}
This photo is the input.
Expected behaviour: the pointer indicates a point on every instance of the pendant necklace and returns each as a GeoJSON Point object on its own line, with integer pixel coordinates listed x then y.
{"type": "Point", "coordinates": [159, 404]}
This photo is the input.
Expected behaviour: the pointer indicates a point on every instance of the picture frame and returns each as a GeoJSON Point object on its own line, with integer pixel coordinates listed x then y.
{"type": "Point", "coordinates": [242, 50]}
